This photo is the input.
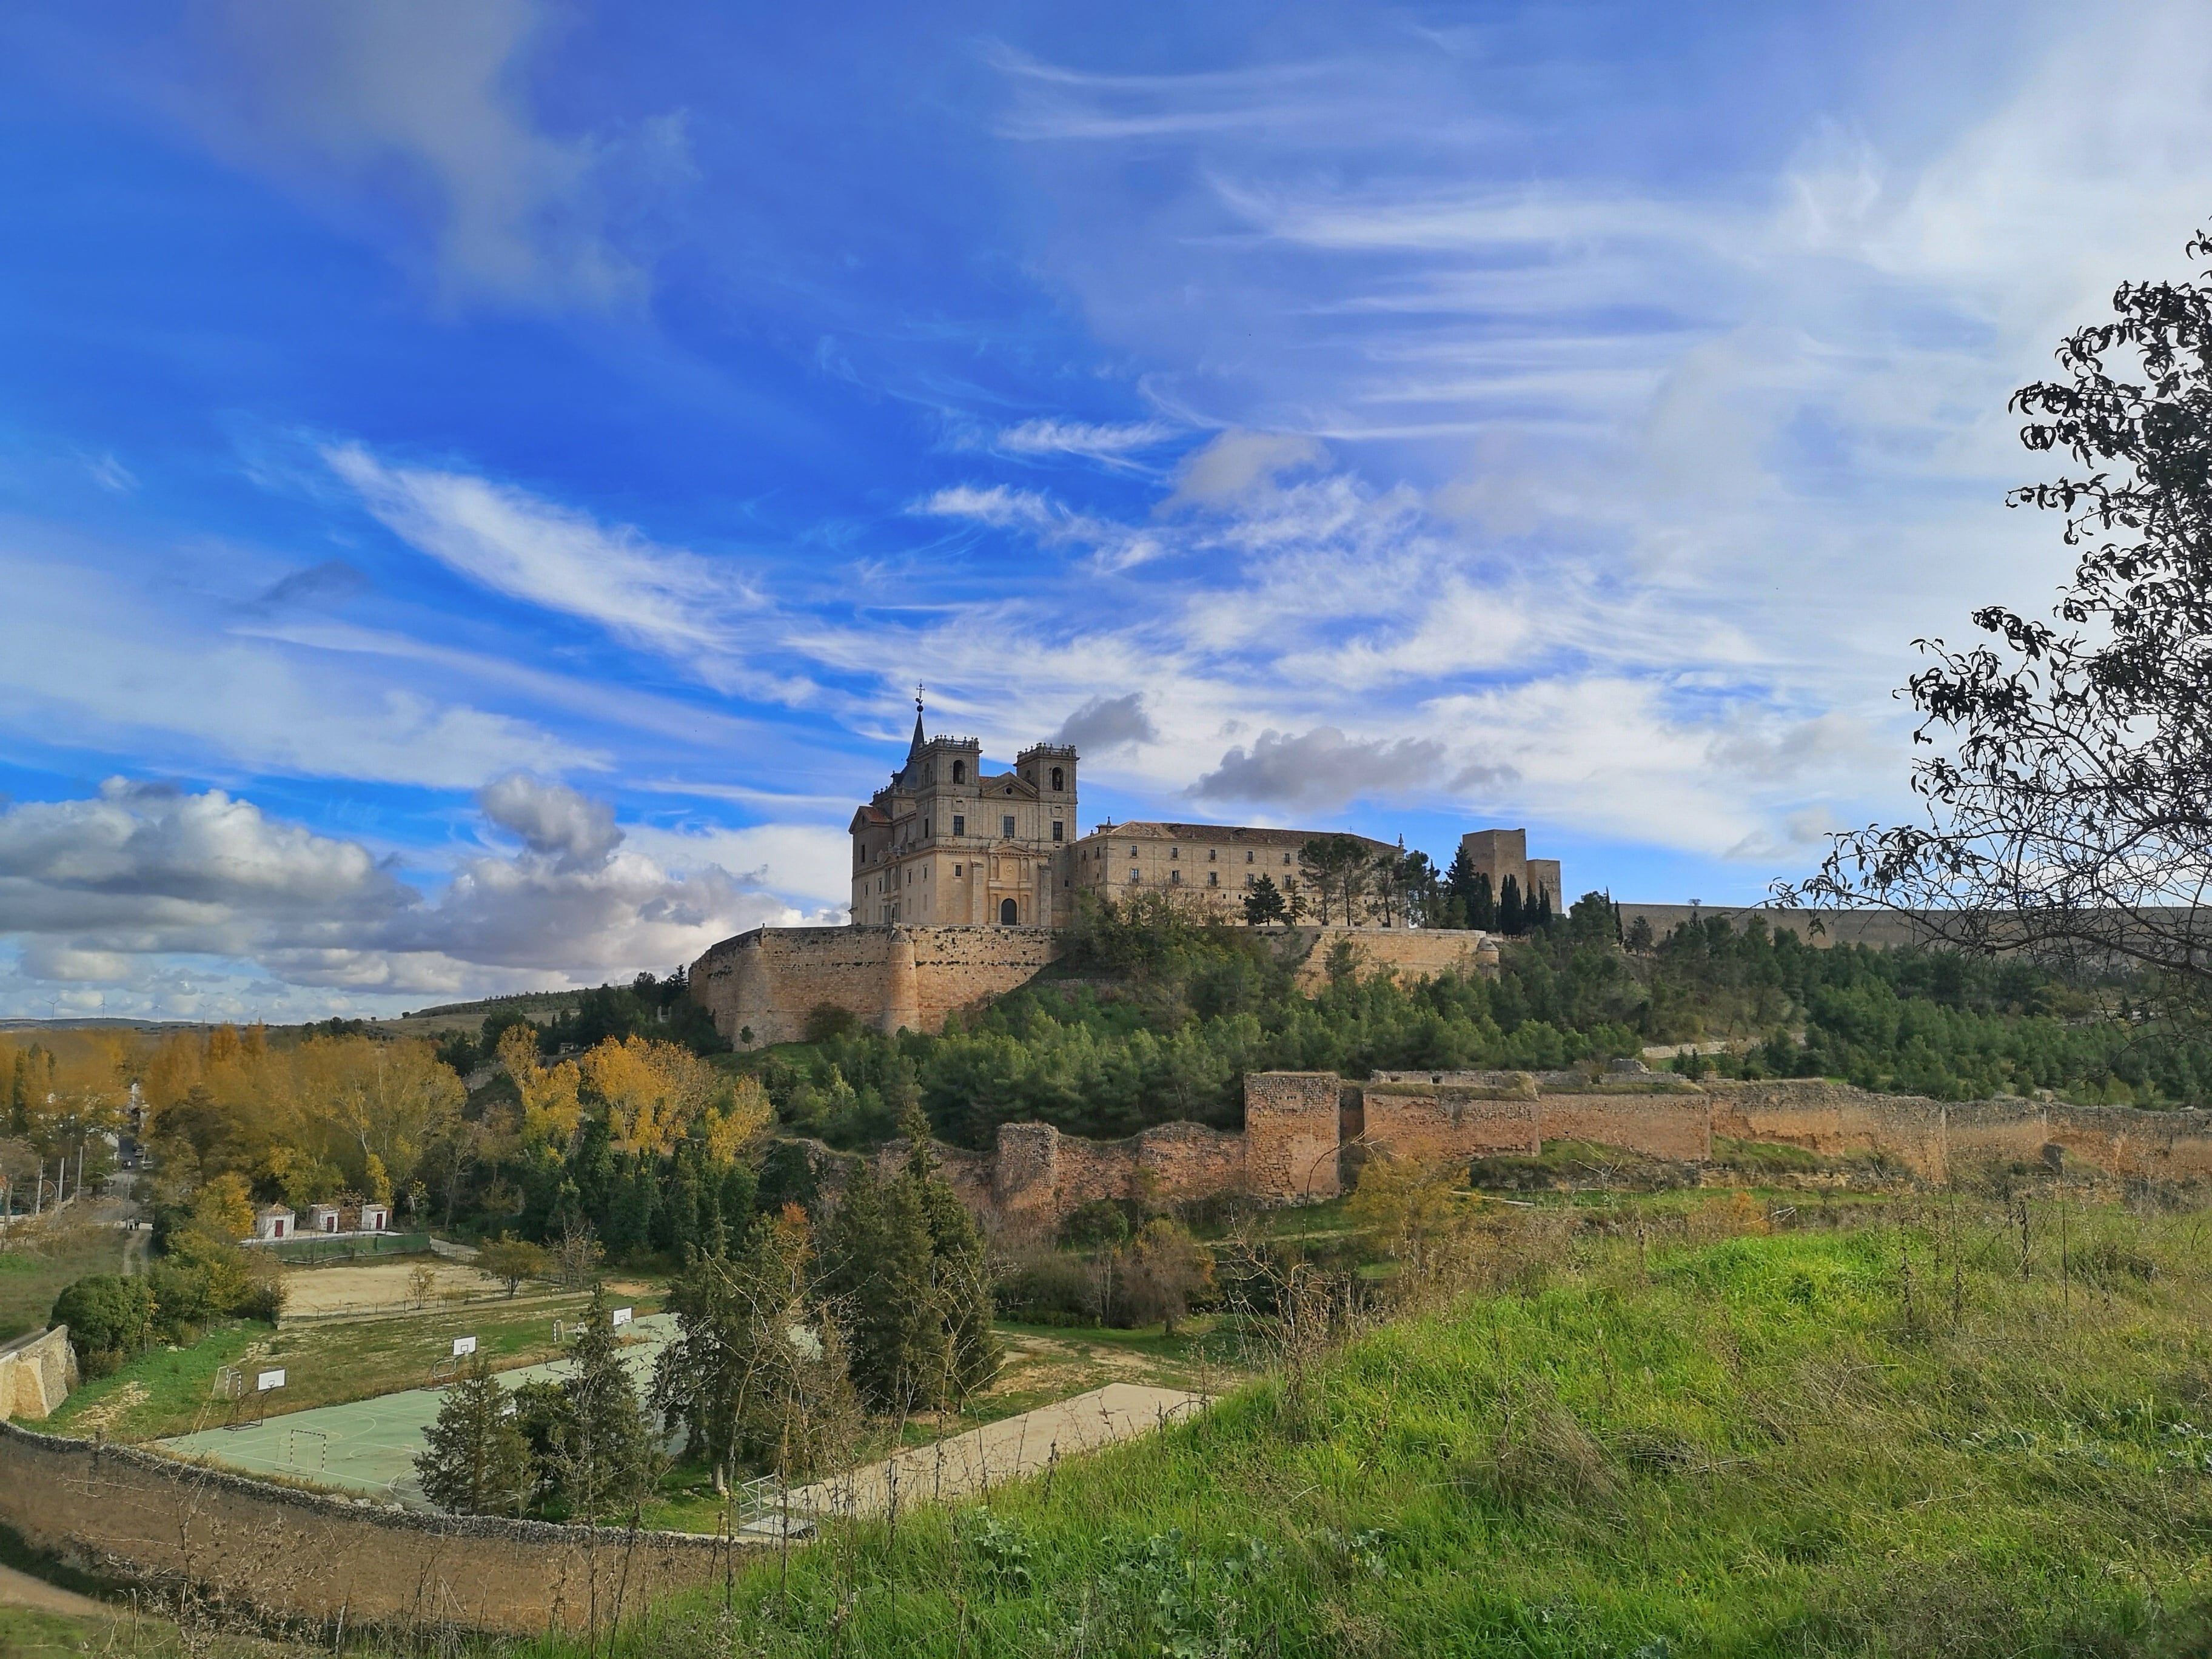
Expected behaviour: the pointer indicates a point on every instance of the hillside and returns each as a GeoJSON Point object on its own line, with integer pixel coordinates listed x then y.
{"type": "Point", "coordinates": [1808, 1437]}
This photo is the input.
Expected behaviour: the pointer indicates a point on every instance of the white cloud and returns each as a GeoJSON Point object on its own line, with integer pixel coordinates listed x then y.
{"type": "Point", "coordinates": [1320, 769]}
{"type": "Point", "coordinates": [422, 106]}
{"type": "Point", "coordinates": [1046, 437]}
{"type": "Point", "coordinates": [666, 599]}
{"type": "Point", "coordinates": [128, 889]}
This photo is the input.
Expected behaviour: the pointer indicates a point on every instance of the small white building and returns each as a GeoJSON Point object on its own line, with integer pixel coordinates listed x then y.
{"type": "Point", "coordinates": [376, 1217]}
{"type": "Point", "coordinates": [323, 1218]}
{"type": "Point", "coordinates": [273, 1221]}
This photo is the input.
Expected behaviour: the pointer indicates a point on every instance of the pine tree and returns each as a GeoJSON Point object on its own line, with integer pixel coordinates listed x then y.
{"type": "Point", "coordinates": [882, 1273]}
{"type": "Point", "coordinates": [960, 1271]}
{"type": "Point", "coordinates": [1509, 918]}
{"type": "Point", "coordinates": [1264, 903]}
{"type": "Point", "coordinates": [475, 1461]}
{"type": "Point", "coordinates": [607, 1461]}
{"type": "Point", "coordinates": [1482, 908]}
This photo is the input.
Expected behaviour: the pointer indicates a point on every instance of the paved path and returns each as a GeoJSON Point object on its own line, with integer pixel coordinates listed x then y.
{"type": "Point", "coordinates": [369, 1445]}
{"type": "Point", "coordinates": [20, 1590]}
{"type": "Point", "coordinates": [998, 1451]}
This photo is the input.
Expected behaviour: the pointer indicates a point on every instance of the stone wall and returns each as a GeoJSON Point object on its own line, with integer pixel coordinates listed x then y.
{"type": "Point", "coordinates": [1412, 953]}
{"type": "Point", "coordinates": [135, 1516]}
{"type": "Point", "coordinates": [1931, 1137]}
{"type": "Point", "coordinates": [1452, 1115]}
{"type": "Point", "coordinates": [36, 1374]}
{"type": "Point", "coordinates": [1293, 1129]}
{"type": "Point", "coordinates": [770, 979]}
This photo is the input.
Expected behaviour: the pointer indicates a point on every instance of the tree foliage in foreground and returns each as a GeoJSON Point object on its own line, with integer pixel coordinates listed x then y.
{"type": "Point", "coordinates": [2067, 806]}
{"type": "Point", "coordinates": [474, 1459]}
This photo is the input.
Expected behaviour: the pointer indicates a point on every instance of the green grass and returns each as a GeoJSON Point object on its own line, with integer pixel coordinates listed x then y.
{"type": "Point", "coordinates": [30, 1277]}
{"type": "Point", "coordinates": [1868, 1439]}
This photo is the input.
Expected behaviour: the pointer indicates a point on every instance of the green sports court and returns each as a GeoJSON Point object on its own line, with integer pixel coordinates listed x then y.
{"type": "Point", "coordinates": [370, 1445]}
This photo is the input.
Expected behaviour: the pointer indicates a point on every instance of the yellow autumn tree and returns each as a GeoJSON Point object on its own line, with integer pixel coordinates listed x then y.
{"type": "Point", "coordinates": [378, 1106]}
{"type": "Point", "coordinates": [550, 1108]}
{"type": "Point", "coordinates": [652, 1091]}
{"type": "Point", "coordinates": [735, 1119]}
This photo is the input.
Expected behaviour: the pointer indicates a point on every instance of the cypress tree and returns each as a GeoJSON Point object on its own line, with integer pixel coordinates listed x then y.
{"type": "Point", "coordinates": [475, 1461]}
{"type": "Point", "coordinates": [607, 1461]}
{"type": "Point", "coordinates": [961, 1272]}
{"type": "Point", "coordinates": [1481, 908]}
{"type": "Point", "coordinates": [882, 1271]}
{"type": "Point", "coordinates": [1459, 890]}
{"type": "Point", "coordinates": [1510, 919]}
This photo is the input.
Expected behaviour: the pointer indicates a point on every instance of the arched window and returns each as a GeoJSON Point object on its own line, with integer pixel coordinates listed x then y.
{"type": "Point", "coordinates": [1008, 913]}
{"type": "Point", "coordinates": [960, 771]}
{"type": "Point", "coordinates": [1056, 775]}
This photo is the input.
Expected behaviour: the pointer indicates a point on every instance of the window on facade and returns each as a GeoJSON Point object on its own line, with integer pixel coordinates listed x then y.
{"type": "Point", "coordinates": [959, 824]}
{"type": "Point", "coordinates": [1056, 783]}
{"type": "Point", "coordinates": [1214, 879]}
{"type": "Point", "coordinates": [925, 829]}
{"type": "Point", "coordinates": [956, 873]}
{"type": "Point", "coordinates": [1134, 878]}
{"type": "Point", "coordinates": [1174, 852]}
{"type": "Point", "coordinates": [1248, 855]}
{"type": "Point", "coordinates": [1247, 877]}
{"type": "Point", "coordinates": [1007, 827]}
{"type": "Point", "coordinates": [960, 771]}
{"type": "Point", "coordinates": [1057, 827]}
{"type": "Point", "coordinates": [1175, 878]}
{"type": "Point", "coordinates": [1286, 857]}
{"type": "Point", "coordinates": [1008, 914]}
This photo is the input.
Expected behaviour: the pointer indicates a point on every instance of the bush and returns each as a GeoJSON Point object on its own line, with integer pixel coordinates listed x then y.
{"type": "Point", "coordinates": [1048, 1288]}
{"type": "Point", "coordinates": [106, 1314]}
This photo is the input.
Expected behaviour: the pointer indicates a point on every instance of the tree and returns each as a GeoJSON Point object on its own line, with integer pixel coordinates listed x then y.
{"type": "Point", "coordinates": [1511, 920]}
{"type": "Point", "coordinates": [1336, 868]}
{"type": "Point", "coordinates": [1163, 1269]}
{"type": "Point", "coordinates": [1263, 904]}
{"type": "Point", "coordinates": [2065, 807]}
{"type": "Point", "coordinates": [758, 1370]}
{"type": "Point", "coordinates": [1410, 1210]}
{"type": "Point", "coordinates": [1460, 878]}
{"type": "Point", "coordinates": [607, 1461]}
{"type": "Point", "coordinates": [475, 1460]}
{"type": "Point", "coordinates": [513, 1261]}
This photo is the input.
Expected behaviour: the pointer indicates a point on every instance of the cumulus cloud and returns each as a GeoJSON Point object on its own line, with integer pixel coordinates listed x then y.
{"type": "Point", "coordinates": [1105, 724]}
{"type": "Point", "coordinates": [553, 820]}
{"type": "Point", "coordinates": [1321, 768]}
{"type": "Point", "coordinates": [664, 598]}
{"type": "Point", "coordinates": [117, 890]}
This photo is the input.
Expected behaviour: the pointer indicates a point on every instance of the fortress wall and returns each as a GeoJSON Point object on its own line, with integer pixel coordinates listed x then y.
{"type": "Point", "coordinates": [1293, 1132]}
{"type": "Point", "coordinates": [1462, 1117]}
{"type": "Point", "coordinates": [1413, 952]}
{"type": "Point", "coordinates": [770, 979]}
{"type": "Point", "coordinates": [1832, 1119]}
{"type": "Point", "coordinates": [36, 1374]}
{"type": "Point", "coordinates": [1659, 1122]}
{"type": "Point", "coordinates": [2125, 1140]}
{"type": "Point", "coordinates": [157, 1522]}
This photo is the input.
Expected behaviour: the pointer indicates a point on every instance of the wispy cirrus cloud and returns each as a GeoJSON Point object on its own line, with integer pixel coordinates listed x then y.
{"type": "Point", "coordinates": [1093, 440]}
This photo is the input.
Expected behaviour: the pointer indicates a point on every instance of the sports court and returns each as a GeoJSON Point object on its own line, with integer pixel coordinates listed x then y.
{"type": "Point", "coordinates": [370, 1445]}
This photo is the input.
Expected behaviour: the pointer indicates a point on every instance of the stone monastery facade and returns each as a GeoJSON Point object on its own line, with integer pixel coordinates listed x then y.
{"type": "Point", "coordinates": [946, 844]}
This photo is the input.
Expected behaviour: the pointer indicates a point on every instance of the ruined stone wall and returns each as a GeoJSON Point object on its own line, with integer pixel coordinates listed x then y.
{"type": "Point", "coordinates": [1293, 1132]}
{"type": "Point", "coordinates": [1658, 1122]}
{"type": "Point", "coordinates": [1834, 1120]}
{"type": "Point", "coordinates": [135, 1516]}
{"type": "Point", "coordinates": [36, 1374]}
{"type": "Point", "coordinates": [1455, 1116]}
{"type": "Point", "coordinates": [770, 979]}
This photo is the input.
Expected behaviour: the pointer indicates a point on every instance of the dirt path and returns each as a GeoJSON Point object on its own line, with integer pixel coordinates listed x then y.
{"type": "Point", "coordinates": [999, 1451]}
{"type": "Point", "coordinates": [20, 1590]}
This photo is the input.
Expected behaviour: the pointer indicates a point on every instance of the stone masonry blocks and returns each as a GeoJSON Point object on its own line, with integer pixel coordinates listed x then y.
{"type": "Point", "coordinates": [1293, 1132]}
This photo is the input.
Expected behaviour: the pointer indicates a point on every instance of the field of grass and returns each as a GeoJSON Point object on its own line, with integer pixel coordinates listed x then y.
{"type": "Point", "coordinates": [33, 1274]}
{"type": "Point", "coordinates": [1900, 1434]}
{"type": "Point", "coordinates": [169, 1391]}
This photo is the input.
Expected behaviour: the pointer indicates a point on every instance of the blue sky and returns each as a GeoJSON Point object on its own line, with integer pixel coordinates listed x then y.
{"type": "Point", "coordinates": [478, 480]}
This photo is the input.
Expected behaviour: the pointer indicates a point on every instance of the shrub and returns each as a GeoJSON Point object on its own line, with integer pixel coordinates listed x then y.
{"type": "Point", "coordinates": [107, 1314]}
{"type": "Point", "coordinates": [1048, 1288]}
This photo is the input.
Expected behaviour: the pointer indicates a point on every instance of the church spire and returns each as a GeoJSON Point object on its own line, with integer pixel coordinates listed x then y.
{"type": "Point", "coordinates": [914, 749]}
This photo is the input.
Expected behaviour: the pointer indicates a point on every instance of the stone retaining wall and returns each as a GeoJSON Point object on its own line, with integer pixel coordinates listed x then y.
{"type": "Point", "coordinates": [36, 1374]}
{"type": "Point", "coordinates": [770, 979]}
{"type": "Point", "coordinates": [134, 1515]}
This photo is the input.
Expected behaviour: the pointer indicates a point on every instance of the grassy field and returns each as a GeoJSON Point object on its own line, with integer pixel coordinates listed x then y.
{"type": "Point", "coordinates": [169, 1391]}
{"type": "Point", "coordinates": [1909, 1434]}
{"type": "Point", "coordinates": [33, 1275]}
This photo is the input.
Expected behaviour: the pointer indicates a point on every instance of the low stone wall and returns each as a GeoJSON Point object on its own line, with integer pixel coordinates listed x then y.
{"type": "Point", "coordinates": [36, 1374]}
{"type": "Point", "coordinates": [1670, 1123]}
{"type": "Point", "coordinates": [134, 1515]}
{"type": "Point", "coordinates": [770, 979]}
{"type": "Point", "coordinates": [1452, 1115]}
